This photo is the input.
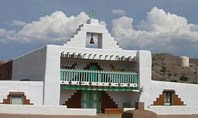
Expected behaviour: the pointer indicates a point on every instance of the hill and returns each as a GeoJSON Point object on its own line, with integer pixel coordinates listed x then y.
{"type": "Point", "coordinates": [165, 67]}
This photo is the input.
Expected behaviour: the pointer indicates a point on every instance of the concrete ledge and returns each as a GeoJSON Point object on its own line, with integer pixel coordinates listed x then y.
{"type": "Point", "coordinates": [174, 110]}
{"type": "Point", "coordinates": [44, 110]}
{"type": "Point", "coordinates": [127, 109]}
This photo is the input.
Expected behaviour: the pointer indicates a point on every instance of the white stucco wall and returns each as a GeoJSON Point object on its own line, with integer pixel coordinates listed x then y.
{"type": "Point", "coordinates": [44, 64]}
{"type": "Point", "coordinates": [33, 90]}
{"type": "Point", "coordinates": [93, 26]}
{"type": "Point", "coordinates": [187, 92]}
{"type": "Point", "coordinates": [152, 89]}
{"type": "Point", "coordinates": [45, 110]}
{"type": "Point", "coordinates": [135, 97]}
{"type": "Point", "coordinates": [30, 66]}
{"type": "Point", "coordinates": [145, 63]}
{"type": "Point", "coordinates": [120, 97]}
{"type": "Point", "coordinates": [174, 110]}
{"type": "Point", "coordinates": [65, 95]}
{"type": "Point", "coordinates": [52, 75]}
{"type": "Point", "coordinates": [41, 65]}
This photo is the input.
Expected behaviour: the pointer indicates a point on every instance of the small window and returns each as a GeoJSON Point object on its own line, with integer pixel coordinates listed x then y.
{"type": "Point", "coordinates": [16, 100]}
{"type": "Point", "coordinates": [16, 97]}
{"type": "Point", "coordinates": [168, 98]}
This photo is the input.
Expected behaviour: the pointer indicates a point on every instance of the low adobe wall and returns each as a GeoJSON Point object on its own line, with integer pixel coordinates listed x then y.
{"type": "Point", "coordinates": [174, 110]}
{"type": "Point", "coordinates": [186, 92]}
{"type": "Point", "coordinates": [44, 110]}
{"type": "Point", "coordinates": [32, 90]}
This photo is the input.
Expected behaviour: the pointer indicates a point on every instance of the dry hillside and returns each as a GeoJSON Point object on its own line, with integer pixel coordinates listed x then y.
{"type": "Point", "coordinates": [165, 67]}
{"type": "Point", "coordinates": [1, 62]}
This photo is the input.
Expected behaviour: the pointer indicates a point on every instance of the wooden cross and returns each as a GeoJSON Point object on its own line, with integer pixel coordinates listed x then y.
{"type": "Point", "coordinates": [92, 14]}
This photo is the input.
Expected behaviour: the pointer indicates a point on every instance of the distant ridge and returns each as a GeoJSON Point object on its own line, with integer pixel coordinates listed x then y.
{"type": "Point", "coordinates": [165, 67]}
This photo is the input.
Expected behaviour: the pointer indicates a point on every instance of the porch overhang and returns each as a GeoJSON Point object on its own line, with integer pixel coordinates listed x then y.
{"type": "Point", "coordinates": [97, 88]}
{"type": "Point", "coordinates": [94, 56]}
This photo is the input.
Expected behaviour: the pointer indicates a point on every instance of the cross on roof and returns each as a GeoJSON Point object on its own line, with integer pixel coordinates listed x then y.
{"type": "Point", "coordinates": [92, 14]}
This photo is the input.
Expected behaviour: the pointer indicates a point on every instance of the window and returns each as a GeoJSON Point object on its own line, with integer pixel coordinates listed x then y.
{"type": "Point", "coordinates": [16, 100]}
{"type": "Point", "coordinates": [16, 97]}
{"type": "Point", "coordinates": [168, 98]}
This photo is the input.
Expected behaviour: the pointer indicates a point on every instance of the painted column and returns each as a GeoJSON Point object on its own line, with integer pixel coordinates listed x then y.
{"type": "Point", "coordinates": [52, 76]}
{"type": "Point", "coordinates": [145, 64]}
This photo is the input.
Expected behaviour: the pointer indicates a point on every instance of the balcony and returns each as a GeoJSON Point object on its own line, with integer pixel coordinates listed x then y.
{"type": "Point", "coordinates": [98, 78]}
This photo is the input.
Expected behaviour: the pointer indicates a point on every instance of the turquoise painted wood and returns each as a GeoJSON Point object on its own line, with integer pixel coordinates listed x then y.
{"type": "Point", "coordinates": [98, 76]}
{"type": "Point", "coordinates": [91, 99]}
{"type": "Point", "coordinates": [92, 88]}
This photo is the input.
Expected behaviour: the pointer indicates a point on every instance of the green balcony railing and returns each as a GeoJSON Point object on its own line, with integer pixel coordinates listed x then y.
{"type": "Point", "coordinates": [90, 76]}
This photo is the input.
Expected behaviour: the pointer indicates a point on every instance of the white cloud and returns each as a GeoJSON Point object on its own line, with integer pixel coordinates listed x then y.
{"type": "Point", "coordinates": [159, 28]}
{"type": "Point", "coordinates": [118, 12]}
{"type": "Point", "coordinates": [56, 27]}
{"type": "Point", "coordinates": [18, 23]}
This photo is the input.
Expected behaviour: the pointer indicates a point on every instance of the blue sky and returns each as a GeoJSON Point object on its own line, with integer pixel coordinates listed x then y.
{"type": "Point", "coordinates": [135, 24]}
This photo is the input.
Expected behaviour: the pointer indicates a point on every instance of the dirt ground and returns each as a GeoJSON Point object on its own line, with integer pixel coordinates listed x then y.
{"type": "Point", "coordinates": [55, 116]}
{"type": "Point", "coordinates": [178, 116]}
{"type": "Point", "coordinates": [98, 116]}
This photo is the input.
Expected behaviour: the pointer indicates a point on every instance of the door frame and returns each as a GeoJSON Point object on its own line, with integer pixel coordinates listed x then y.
{"type": "Point", "coordinates": [90, 100]}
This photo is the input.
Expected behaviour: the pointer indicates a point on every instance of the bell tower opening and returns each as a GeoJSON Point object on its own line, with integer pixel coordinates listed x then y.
{"type": "Point", "coordinates": [93, 40]}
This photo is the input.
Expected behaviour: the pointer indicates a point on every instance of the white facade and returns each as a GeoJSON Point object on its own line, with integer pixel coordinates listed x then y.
{"type": "Point", "coordinates": [45, 64]}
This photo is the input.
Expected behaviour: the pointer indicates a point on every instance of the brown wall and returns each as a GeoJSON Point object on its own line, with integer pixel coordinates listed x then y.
{"type": "Point", "coordinates": [74, 101]}
{"type": "Point", "coordinates": [107, 102]}
{"type": "Point", "coordinates": [6, 71]}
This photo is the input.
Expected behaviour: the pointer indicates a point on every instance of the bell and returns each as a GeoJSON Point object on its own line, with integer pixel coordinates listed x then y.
{"type": "Point", "coordinates": [92, 39]}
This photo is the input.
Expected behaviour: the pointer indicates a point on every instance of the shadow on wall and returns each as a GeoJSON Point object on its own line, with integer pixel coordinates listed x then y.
{"type": "Point", "coordinates": [135, 98]}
